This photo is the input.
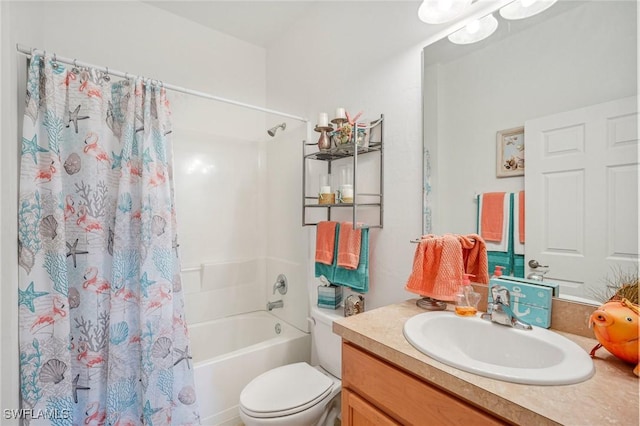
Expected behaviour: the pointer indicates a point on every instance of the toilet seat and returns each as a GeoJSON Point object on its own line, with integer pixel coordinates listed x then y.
{"type": "Point", "coordinates": [284, 391]}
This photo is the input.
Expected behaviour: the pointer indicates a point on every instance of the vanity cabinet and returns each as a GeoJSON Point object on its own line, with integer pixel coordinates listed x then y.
{"type": "Point", "coordinates": [378, 393]}
{"type": "Point", "coordinates": [352, 151]}
{"type": "Point", "coordinates": [358, 412]}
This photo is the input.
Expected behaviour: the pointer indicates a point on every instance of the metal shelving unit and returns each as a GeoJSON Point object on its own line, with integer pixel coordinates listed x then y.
{"type": "Point", "coordinates": [338, 153]}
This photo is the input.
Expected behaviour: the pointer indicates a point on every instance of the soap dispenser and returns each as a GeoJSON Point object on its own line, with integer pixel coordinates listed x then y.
{"type": "Point", "coordinates": [497, 272]}
{"type": "Point", "coordinates": [467, 299]}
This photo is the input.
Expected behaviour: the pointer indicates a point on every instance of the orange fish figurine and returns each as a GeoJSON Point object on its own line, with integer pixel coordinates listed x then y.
{"type": "Point", "coordinates": [615, 325]}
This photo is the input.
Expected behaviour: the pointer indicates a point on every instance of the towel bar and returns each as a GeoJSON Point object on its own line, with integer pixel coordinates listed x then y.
{"type": "Point", "coordinates": [417, 240]}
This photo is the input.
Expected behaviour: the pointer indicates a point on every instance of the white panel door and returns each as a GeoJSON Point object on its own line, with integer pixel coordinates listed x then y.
{"type": "Point", "coordinates": [581, 194]}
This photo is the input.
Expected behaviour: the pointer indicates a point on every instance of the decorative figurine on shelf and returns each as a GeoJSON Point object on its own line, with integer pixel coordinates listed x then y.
{"type": "Point", "coordinates": [343, 134]}
{"type": "Point", "coordinates": [616, 324]}
{"type": "Point", "coordinates": [323, 126]}
{"type": "Point", "coordinates": [343, 131]}
{"type": "Point", "coordinates": [345, 125]}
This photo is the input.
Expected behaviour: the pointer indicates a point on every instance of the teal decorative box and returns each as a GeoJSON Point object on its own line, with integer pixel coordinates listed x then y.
{"type": "Point", "coordinates": [329, 296]}
{"type": "Point", "coordinates": [555, 287]}
{"type": "Point", "coordinates": [529, 300]}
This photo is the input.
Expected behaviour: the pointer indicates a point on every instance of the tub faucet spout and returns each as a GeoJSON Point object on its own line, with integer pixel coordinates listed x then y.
{"type": "Point", "coordinates": [277, 304]}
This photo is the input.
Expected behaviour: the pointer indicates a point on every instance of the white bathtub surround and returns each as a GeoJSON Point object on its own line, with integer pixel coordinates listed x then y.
{"type": "Point", "coordinates": [221, 289]}
{"type": "Point", "coordinates": [228, 353]}
{"type": "Point", "coordinates": [296, 308]}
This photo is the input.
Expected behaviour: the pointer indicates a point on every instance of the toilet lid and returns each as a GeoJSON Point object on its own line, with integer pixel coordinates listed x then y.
{"type": "Point", "coordinates": [285, 390]}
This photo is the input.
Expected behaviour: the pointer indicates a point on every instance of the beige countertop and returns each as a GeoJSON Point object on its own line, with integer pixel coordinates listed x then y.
{"type": "Point", "coordinates": [611, 396]}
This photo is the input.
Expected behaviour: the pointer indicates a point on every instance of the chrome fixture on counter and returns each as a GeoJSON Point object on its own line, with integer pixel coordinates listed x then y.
{"type": "Point", "coordinates": [499, 310]}
{"type": "Point", "coordinates": [273, 305]}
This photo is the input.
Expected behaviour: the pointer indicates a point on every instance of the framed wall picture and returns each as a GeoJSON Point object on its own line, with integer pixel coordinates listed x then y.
{"type": "Point", "coordinates": [510, 152]}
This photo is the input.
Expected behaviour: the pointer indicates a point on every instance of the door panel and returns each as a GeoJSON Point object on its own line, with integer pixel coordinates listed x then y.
{"type": "Point", "coordinates": [581, 190]}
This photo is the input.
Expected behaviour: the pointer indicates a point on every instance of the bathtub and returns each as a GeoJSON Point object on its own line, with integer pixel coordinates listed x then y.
{"type": "Point", "coordinates": [229, 352]}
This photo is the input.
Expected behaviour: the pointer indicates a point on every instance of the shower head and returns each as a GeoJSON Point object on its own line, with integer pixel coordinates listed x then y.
{"type": "Point", "coordinates": [272, 131]}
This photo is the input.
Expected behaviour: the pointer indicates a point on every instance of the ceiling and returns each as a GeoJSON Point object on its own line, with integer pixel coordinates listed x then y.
{"type": "Point", "coordinates": [263, 22]}
{"type": "Point", "coordinates": [256, 22]}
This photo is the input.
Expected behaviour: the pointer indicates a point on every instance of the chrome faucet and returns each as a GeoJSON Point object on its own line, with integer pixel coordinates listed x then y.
{"type": "Point", "coordinates": [277, 304]}
{"type": "Point", "coordinates": [500, 310]}
{"type": "Point", "coordinates": [280, 284]}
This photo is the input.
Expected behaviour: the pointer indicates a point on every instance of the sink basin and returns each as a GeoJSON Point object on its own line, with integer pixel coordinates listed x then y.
{"type": "Point", "coordinates": [536, 357]}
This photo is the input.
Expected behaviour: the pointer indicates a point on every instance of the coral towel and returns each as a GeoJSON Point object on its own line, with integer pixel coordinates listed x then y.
{"type": "Point", "coordinates": [474, 257]}
{"type": "Point", "coordinates": [325, 242]}
{"type": "Point", "coordinates": [349, 246]}
{"type": "Point", "coordinates": [437, 267]}
{"type": "Point", "coordinates": [439, 264]}
{"type": "Point", "coordinates": [492, 216]}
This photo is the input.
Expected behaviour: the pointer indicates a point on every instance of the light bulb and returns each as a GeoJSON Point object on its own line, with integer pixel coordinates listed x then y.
{"type": "Point", "coordinates": [473, 26]}
{"type": "Point", "coordinates": [475, 31]}
{"type": "Point", "coordinates": [444, 5]}
{"type": "Point", "coordinates": [441, 11]}
{"type": "Point", "coordinates": [525, 8]}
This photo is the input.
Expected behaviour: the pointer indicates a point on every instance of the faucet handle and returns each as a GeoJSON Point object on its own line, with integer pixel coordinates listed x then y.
{"type": "Point", "coordinates": [500, 295]}
{"type": "Point", "coordinates": [280, 284]}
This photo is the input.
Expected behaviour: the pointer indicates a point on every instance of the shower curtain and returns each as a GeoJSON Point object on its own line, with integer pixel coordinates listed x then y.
{"type": "Point", "coordinates": [103, 338]}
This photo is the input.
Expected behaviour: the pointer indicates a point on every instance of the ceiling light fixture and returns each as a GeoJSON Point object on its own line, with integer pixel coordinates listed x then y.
{"type": "Point", "coordinates": [441, 11]}
{"type": "Point", "coordinates": [521, 9]}
{"type": "Point", "coordinates": [475, 31]}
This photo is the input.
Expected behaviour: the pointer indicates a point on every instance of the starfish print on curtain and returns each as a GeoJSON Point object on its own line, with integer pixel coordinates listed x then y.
{"type": "Point", "coordinates": [99, 278]}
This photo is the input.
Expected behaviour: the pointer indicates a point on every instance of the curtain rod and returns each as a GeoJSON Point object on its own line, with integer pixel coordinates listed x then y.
{"type": "Point", "coordinates": [29, 52]}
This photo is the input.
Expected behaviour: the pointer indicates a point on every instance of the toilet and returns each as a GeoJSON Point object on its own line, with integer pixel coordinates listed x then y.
{"type": "Point", "coordinates": [299, 394]}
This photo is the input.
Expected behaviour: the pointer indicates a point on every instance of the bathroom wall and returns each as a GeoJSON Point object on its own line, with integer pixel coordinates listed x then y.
{"type": "Point", "coordinates": [2, 108]}
{"type": "Point", "coordinates": [317, 66]}
{"type": "Point", "coordinates": [220, 156]}
{"type": "Point", "coordinates": [11, 21]}
{"type": "Point", "coordinates": [285, 241]}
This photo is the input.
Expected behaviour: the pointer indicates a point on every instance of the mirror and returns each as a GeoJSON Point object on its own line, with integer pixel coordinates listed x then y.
{"type": "Point", "coordinates": [573, 55]}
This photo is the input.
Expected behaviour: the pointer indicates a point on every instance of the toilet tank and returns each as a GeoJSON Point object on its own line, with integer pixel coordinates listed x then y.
{"type": "Point", "coordinates": [326, 345]}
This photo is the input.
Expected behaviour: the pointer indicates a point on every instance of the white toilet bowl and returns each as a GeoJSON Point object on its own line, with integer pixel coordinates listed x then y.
{"type": "Point", "coordinates": [295, 394]}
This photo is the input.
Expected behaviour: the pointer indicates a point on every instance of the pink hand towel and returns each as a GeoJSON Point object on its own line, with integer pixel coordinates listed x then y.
{"type": "Point", "coordinates": [349, 246]}
{"type": "Point", "coordinates": [325, 242]}
{"type": "Point", "coordinates": [475, 258]}
{"type": "Point", "coordinates": [492, 215]}
{"type": "Point", "coordinates": [437, 267]}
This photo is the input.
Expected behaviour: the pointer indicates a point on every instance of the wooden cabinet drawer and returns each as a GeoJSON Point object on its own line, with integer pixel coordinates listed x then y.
{"type": "Point", "coordinates": [403, 397]}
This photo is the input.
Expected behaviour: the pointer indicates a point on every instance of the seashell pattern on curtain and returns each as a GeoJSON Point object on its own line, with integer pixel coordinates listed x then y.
{"type": "Point", "coordinates": [103, 336]}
